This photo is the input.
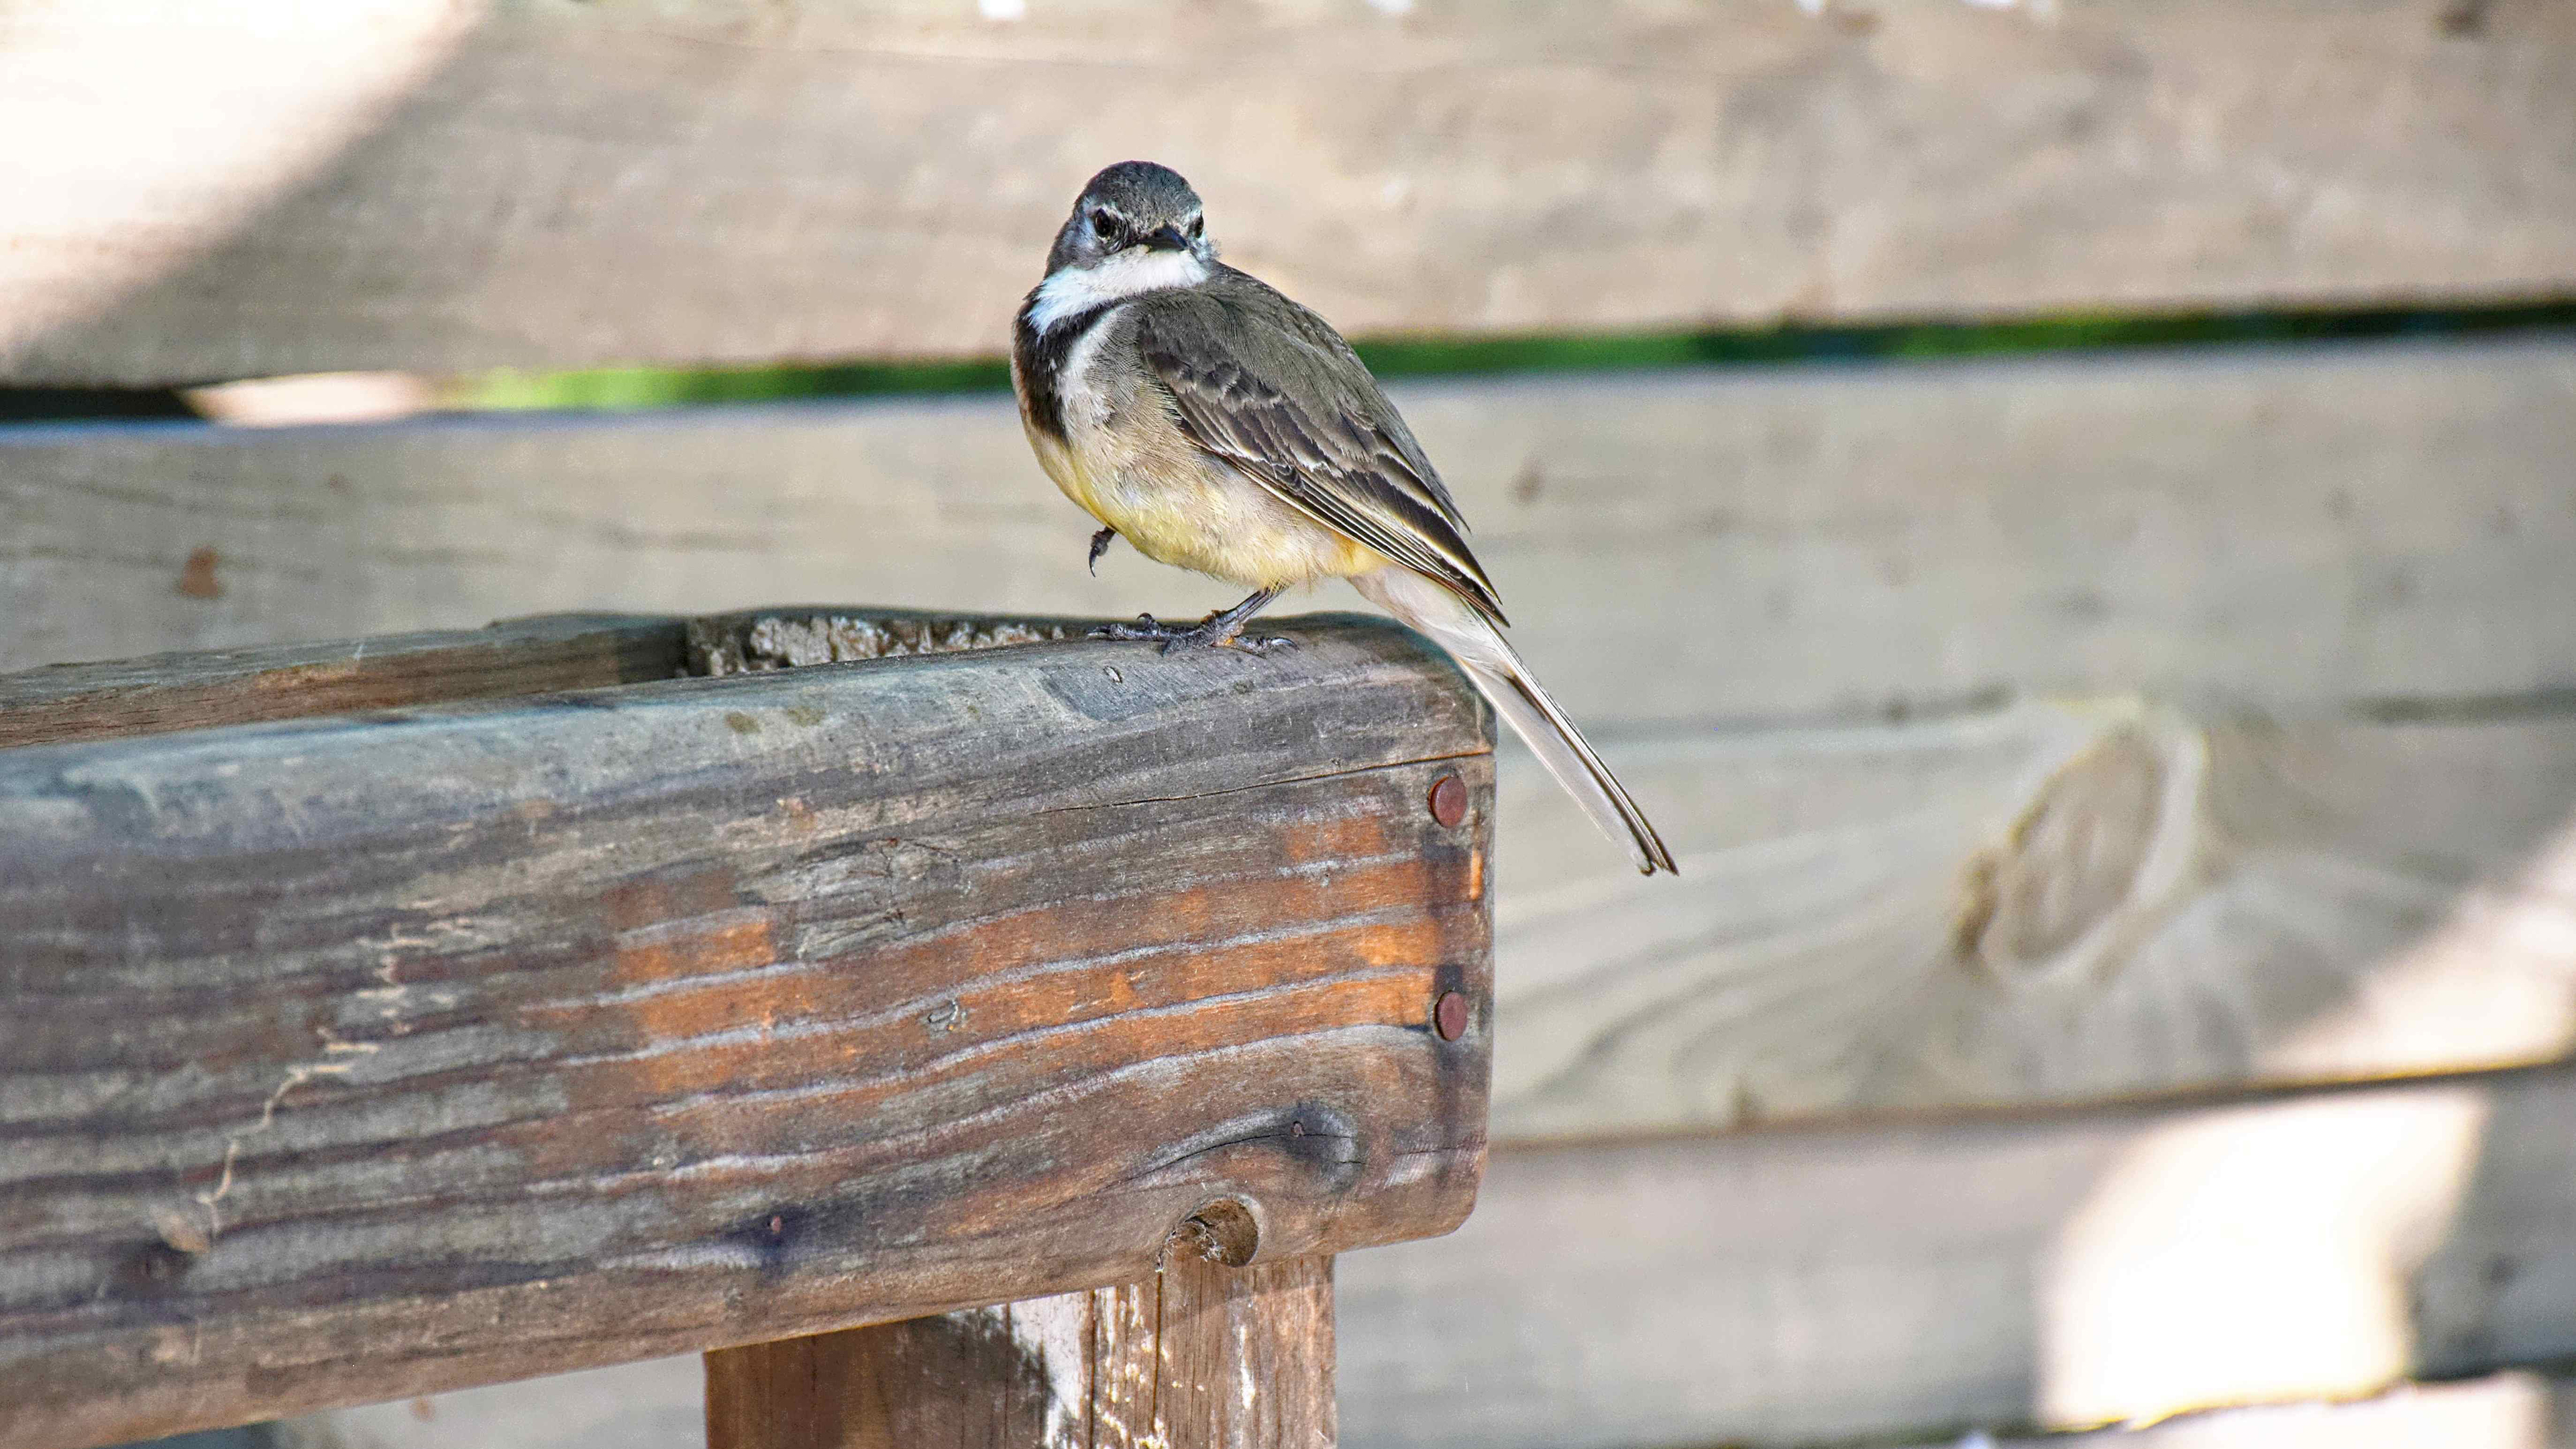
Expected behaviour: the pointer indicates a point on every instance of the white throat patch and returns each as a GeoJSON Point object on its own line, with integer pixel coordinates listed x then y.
{"type": "Point", "coordinates": [1131, 273]}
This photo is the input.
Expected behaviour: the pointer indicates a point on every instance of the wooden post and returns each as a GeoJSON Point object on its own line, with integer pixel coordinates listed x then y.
{"type": "Point", "coordinates": [1202, 1355]}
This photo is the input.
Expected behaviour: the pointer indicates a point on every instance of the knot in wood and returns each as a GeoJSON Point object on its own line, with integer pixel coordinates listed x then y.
{"type": "Point", "coordinates": [2040, 901]}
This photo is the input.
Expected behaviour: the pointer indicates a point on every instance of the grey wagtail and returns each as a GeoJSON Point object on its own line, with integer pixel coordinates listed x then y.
{"type": "Point", "coordinates": [1217, 426]}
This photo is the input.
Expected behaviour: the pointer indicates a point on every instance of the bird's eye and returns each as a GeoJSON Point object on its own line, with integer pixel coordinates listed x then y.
{"type": "Point", "coordinates": [1104, 225]}
{"type": "Point", "coordinates": [1198, 225]}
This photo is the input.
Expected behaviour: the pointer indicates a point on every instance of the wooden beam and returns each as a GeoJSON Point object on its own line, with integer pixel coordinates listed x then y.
{"type": "Point", "coordinates": [1921, 1279]}
{"type": "Point", "coordinates": [2282, 528]}
{"type": "Point", "coordinates": [1199, 1356]}
{"type": "Point", "coordinates": [366, 1056]}
{"type": "Point", "coordinates": [424, 191]}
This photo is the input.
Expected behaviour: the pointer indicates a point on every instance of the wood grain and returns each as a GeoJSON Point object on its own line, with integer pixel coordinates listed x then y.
{"type": "Point", "coordinates": [1710, 544]}
{"type": "Point", "coordinates": [1200, 1356]}
{"type": "Point", "coordinates": [808, 181]}
{"type": "Point", "coordinates": [1915, 1281]}
{"type": "Point", "coordinates": [360, 1057]}
{"type": "Point", "coordinates": [2042, 903]}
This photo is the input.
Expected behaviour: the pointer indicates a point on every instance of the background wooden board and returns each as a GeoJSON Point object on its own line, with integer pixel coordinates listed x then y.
{"type": "Point", "coordinates": [546, 183]}
{"type": "Point", "coordinates": [1799, 1287]}
{"type": "Point", "coordinates": [2520, 1410]}
{"type": "Point", "coordinates": [372, 1055]}
{"type": "Point", "coordinates": [655, 1406]}
{"type": "Point", "coordinates": [1916, 1282]}
{"type": "Point", "coordinates": [2254, 525]}
{"type": "Point", "coordinates": [2237, 534]}
{"type": "Point", "coordinates": [2041, 904]}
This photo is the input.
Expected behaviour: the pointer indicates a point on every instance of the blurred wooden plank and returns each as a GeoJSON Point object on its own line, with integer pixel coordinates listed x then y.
{"type": "Point", "coordinates": [1795, 1287]}
{"type": "Point", "coordinates": [2046, 903]}
{"type": "Point", "coordinates": [2521, 1410]}
{"type": "Point", "coordinates": [2276, 526]}
{"type": "Point", "coordinates": [631, 1408]}
{"type": "Point", "coordinates": [1199, 1356]}
{"type": "Point", "coordinates": [166, 692]}
{"type": "Point", "coordinates": [562, 184]}
{"type": "Point", "coordinates": [365, 1057]}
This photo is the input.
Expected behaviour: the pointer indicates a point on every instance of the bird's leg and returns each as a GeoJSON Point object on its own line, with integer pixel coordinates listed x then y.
{"type": "Point", "coordinates": [1223, 629]}
{"type": "Point", "coordinates": [1099, 546]}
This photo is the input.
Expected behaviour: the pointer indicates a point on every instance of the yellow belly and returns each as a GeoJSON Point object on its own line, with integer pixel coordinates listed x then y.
{"type": "Point", "coordinates": [1176, 505]}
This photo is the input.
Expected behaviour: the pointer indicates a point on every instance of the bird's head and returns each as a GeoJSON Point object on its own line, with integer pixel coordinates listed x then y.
{"type": "Point", "coordinates": [1131, 210]}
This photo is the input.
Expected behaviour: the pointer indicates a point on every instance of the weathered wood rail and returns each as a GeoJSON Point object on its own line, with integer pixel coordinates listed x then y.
{"type": "Point", "coordinates": [362, 1055]}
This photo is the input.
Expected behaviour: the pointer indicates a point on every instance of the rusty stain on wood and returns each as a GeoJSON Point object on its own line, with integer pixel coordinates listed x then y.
{"type": "Point", "coordinates": [197, 576]}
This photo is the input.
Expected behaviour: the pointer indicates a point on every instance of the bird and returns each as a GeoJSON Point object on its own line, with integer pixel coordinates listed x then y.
{"type": "Point", "coordinates": [1217, 426]}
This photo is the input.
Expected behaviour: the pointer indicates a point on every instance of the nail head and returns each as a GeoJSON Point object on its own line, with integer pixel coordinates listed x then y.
{"type": "Point", "coordinates": [1449, 801]}
{"type": "Point", "coordinates": [1449, 1016]}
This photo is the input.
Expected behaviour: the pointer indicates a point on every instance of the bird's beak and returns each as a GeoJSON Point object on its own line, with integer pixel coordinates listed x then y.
{"type": "Point", "coordinates": [1169, 239]}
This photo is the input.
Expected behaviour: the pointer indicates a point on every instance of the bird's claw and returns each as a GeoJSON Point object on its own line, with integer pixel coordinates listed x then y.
{"type": "Point", "coordinates": [1214, 632]}
{"type": "Point", "coordinates": [1099, 545]}
{"type": "Point", "coordinates": [1146, 628]}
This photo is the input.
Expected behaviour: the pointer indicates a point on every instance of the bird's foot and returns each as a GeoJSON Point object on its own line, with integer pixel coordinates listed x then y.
{"type": "Point", "coordinates": [1216, 631]}
{"type": "Point", "coordinates": [1099, 545]}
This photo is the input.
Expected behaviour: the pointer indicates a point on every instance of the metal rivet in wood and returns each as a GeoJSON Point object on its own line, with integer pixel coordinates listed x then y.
{"type": "Point", "coordinates": [1449, 801]}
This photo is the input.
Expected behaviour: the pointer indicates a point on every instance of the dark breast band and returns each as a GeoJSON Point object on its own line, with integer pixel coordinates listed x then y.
{"type": "Point", "coordinates": [1041, 357]}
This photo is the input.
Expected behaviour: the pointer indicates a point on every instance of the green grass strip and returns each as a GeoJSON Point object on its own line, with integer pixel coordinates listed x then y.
{"type": "Point", "coordinates": [628, 388]}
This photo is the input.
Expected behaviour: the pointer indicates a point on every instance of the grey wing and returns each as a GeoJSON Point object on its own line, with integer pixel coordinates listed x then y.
{"type": "Point", "coordinates": [1298, 414]}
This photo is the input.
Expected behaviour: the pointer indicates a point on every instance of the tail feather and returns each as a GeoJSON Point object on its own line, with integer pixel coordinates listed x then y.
{"type": "Point", "coordinates": [1499, 674]}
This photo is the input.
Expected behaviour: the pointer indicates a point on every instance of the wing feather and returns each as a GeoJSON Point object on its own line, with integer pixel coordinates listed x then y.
{"type": "Point", "coordinates": [1270, 388]}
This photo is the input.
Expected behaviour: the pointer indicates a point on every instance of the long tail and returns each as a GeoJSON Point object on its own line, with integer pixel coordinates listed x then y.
{"type": "Point", "coordinates": [1490, 661]}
